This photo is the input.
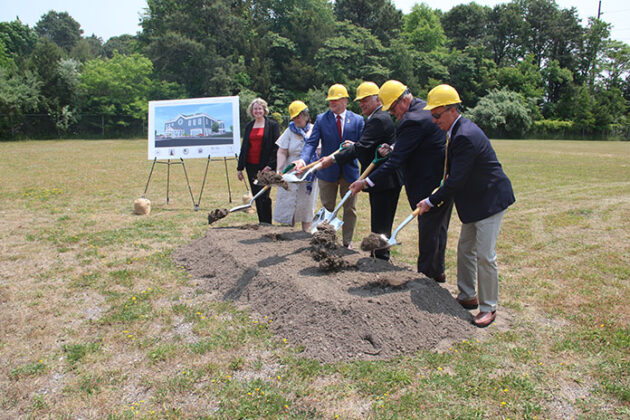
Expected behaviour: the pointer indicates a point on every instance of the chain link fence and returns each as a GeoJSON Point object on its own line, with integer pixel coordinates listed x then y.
{"type": "Point", "coordinates": [44, 126]}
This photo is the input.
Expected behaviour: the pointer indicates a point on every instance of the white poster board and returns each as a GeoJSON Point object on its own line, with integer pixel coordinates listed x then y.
{"type": "Point", "coordinates": [194, 128]}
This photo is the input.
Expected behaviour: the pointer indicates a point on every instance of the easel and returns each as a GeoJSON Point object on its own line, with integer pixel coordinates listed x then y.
{"type": "Point", "coordinates": [168, 164]}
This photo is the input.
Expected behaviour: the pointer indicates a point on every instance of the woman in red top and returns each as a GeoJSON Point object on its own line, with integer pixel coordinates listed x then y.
{"type": "Point", "coordinates": [258, 153]}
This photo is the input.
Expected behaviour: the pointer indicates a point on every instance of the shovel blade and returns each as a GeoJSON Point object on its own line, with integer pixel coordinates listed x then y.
{"type": "Point", "coordinates": [319, 218]}
{"type": "Point", "coordinates": [239, 208]}
{"type": "Point", "coordinates": [336, 223]}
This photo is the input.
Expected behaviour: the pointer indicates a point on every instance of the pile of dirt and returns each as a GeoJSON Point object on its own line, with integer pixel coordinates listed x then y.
{"type": "Point", "coordinates": [271, 178]}
{"type": "Point", "coordinates": [217, 214]}
{"type": "Point", "coordinates": [370, 310]}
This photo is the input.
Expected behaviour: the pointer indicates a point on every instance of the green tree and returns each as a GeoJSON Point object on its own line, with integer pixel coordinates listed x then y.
{"type": "Point", "coordinates": [503, 113]}
{"type": "Point", "coordinates": [379, 16]}
{"type": "Point", "coordinates": [124, 44]}
{"type": "Point", "coordinates": [353, 53]}
{"type": "Point", "coordinates": [472, 73]}
{"type": "Point", "coordinates": [595, 39]}
{"type": "Point", "coordinates": [466, 24]}
{"type": "Point", "coordinates": [19, 40]}
{"type": "Point", "coordinates": [422, 28]}
{"type": "Point", "coordinates": [19, 94]}
{"type": "Point", "coordinates": [504, 38]}
{"type": "Point", "coordinates": [117, 88]}
{"type": "Point", "coordinates": [60, 28]}
{"type": "Point", "coordinates": [87, 49]}
{"type": "Point", "coordinates": [616, 63]}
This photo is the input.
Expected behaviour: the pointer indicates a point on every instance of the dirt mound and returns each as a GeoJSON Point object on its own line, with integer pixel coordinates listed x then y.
{"type": "Point", "coordinates": [271, 178]}
{"type": "Point", "coordinates": [374, 310]}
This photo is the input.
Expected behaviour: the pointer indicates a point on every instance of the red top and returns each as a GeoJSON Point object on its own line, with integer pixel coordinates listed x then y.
{"type": "Point", "coordinates": [255, 145]}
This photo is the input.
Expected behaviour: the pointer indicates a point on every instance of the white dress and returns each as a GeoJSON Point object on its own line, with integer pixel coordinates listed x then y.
{"type": "Point", "coordinates": [298, 203]}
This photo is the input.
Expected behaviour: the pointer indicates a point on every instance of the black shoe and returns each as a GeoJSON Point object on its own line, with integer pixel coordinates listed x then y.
{"type": "Point", "coordinates": [441, 278]}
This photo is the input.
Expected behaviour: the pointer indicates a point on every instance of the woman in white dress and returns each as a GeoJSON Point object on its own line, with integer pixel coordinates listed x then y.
{"type": "Point", "coordinates": [298, 203]}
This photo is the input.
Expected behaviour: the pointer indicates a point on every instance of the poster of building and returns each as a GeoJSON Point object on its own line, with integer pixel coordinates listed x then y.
{"type": "Point", "coordinates": [194, 128]}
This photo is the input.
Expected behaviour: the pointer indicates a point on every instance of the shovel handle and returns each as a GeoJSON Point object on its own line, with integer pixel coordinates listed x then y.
{"type": "Point", "coordinates": [377, 157]}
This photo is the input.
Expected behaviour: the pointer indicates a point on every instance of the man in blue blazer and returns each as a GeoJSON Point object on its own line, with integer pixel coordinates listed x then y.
{"type": "Point", "coordinates": [332, 128]}
{"type": "Point", "coordinates": [482, 193]}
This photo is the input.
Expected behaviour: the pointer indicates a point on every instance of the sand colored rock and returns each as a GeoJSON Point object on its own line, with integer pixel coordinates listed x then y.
{"type": "Point", "coordinates": [141, 206]}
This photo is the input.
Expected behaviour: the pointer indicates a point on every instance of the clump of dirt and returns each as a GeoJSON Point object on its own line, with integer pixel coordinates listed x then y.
{"type": "Point", "coordinates": [372, 242]}
{"type": "Point", "coordinates": [217, 214]}
{"type": "Point", "coordinates": [271, 178]}
{"type": "Point", "coordinates": [324, 248]}
{"type": "Point", "coordinates": [325, 237]}
{"type": "Point", "coordinates": [356, 314]}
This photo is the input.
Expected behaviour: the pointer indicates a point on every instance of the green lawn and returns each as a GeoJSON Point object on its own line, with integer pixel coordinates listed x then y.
{"type": "Point", "coordinates": [96, 321]}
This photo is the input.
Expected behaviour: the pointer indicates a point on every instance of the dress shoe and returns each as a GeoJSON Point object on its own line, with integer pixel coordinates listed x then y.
{"type": "Point", "coordinates": [441, 278]}
{"type": "Point", "coordinates": [469, 303]}
{"type": "Point", "coordinates": [483, 319]}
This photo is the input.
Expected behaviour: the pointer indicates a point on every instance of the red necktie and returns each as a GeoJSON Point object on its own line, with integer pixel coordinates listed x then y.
{"type": "Point", "coordinates": [339, 126]}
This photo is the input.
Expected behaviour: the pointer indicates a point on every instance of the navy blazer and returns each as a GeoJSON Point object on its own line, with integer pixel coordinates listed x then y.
{"type": "Point", "coordinates": [475, 177]}
{"type": "Point", "coordinates": [325, 129]}
{"type": "Point", "coordinates": [269, 148]}
{"type": "Point", "coordinates": [378, 129]}
{"type": "Point", "coordinates": [418, 152]}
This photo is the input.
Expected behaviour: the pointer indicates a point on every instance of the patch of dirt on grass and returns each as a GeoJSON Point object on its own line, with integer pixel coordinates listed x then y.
{"type": "Point", "coordinates": [352, 314]}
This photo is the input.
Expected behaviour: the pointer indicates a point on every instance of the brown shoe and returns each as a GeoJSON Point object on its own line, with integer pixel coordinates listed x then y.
{"type": "Point", "coordinates": [441, 278]}
{"type": "Point", "coordinates": [469, 304]}
{"type": "Point", "coordinates": [483, 319]}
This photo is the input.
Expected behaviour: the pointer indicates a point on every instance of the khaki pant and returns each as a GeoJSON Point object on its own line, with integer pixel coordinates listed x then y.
{"type": "Point", "coordinates": [477, 261]}
{"type": "Point", "coordinates": [328, 196]}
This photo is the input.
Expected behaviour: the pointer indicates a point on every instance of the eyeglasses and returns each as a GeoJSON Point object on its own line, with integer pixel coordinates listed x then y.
{"type": "Point", "coordinates": [437, 116]}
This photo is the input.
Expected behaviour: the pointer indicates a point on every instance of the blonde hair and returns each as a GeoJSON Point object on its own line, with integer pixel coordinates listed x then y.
{"type": "Point", "coordinates": [261, 102]}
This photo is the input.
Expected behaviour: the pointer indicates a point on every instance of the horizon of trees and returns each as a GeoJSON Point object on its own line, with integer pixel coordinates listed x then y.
{"type": "Point", "coordinates": [527, 68]}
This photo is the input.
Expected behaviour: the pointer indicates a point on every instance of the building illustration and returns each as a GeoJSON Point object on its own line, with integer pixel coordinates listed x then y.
{"type": "Point", "coordinates": [194, 125]}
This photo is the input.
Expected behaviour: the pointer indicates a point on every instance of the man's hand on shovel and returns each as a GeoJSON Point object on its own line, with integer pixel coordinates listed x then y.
{"type": "Point", "coordinates": [423, 206]}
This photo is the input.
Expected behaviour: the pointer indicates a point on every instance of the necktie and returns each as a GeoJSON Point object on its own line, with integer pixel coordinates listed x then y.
{"type": "Point", "coordinates": [339, 126]}
{"type": "Point", "coordinates": [448, 139]}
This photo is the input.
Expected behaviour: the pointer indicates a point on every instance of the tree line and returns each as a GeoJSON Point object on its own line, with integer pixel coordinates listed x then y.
{"type": "Point", "coordinates": [527, 68]}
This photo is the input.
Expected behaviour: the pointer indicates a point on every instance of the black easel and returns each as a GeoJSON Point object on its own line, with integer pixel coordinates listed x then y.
{"type": "Point", "coordinates": [168, 164]}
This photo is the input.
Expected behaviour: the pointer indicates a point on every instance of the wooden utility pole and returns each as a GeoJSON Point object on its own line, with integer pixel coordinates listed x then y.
{"type": "Point", "coordinates": [599, 9]}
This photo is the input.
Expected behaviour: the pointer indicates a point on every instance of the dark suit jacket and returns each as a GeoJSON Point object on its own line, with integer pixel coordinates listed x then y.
{"type": "Point", "coordinates": [379, 129]}
{"type": "Point", "coordinates": [475, 179]}
{"type": "Point", "coordinates": [418, 152]}
{"type": "Point", "coordinates": [325, 128]}
{"type": "Point", "coordinates": [269, 149]}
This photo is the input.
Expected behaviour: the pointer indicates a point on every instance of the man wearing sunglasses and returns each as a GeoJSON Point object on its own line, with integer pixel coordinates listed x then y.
{"type": "Point", "coordinates": [482, 193]}
{"type": "Point", "coordinates": [419, 153]}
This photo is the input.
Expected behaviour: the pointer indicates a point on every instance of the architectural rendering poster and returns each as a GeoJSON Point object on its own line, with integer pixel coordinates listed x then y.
{"type": "Point", "coordinates": [194, 128]}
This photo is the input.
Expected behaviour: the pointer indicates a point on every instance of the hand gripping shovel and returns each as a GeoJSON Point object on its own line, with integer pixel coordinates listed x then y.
{"type": "Point", "coordinates": [246, 206]}
{"type": "Point", "coordinates": [312, 167]}
{"type": "Point", "coordinates": [324, 215]}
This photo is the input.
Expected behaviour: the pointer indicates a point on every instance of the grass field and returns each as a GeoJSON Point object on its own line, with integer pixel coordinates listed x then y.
{"type": "Point", "coordinates": [96, 321]}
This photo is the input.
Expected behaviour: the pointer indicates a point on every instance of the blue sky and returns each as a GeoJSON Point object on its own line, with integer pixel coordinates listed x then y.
{"type": "Point", "coordinates": [116, 17]}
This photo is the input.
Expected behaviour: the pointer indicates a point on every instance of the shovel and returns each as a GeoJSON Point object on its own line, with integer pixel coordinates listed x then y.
{"type": "Point", "coordinates": [388, 243]}
{"type": "Point", "coordinates": [324, 215]}
{"type": "Point", "coordinates": [312, 167]}
{"type": "Point", "coordinates": [251, 202]}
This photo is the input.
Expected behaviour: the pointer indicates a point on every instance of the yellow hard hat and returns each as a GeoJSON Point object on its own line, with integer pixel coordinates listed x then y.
{"type": "Point", "coordinates": [337, 91]}
{"type": "Point", "coordinates": [442, 95]}
{"type": "Point", "coordinates": [390, 91]}
{"type": "Point", "coordinates": [366, 89]}
{"type": "Point", "coordinates": [295, 108]}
